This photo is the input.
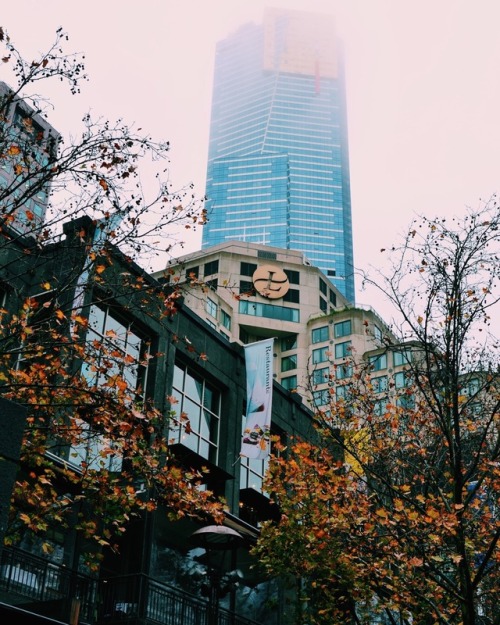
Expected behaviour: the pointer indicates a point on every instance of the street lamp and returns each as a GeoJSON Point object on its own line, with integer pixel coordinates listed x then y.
{"type": "Point", "coordinates": [217, 540]}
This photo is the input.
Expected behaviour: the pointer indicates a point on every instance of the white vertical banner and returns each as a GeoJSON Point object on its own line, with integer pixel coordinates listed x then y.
{"type": "Point", "coordinates": [259, 370]}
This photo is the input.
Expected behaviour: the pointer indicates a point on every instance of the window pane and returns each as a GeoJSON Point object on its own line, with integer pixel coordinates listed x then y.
{"type": "Point", "coordinates": [289, 362]}
{"type": "Point", "coordinates": [320, 355]}
{"type": "Point", "coordinates": [320, 334]}
{"type": "Point", "coordinates": [343, 328]}
{"type": "Point", "coordinates": [342, 349]}
{"type": "Point", "coordinates": [96, 319]}
{"type": "Point", "coordinates": [290, 383]}
{"type": "Point", "coordinates": [193, 387]}
{"type": "Point", "coordinates": [178, 378]}
{"type": "Point", "coordinates": [378, 362]}
{"type": "Point", "coordinates": [379, 384]}
{"type": "Point", "coordinates": [402, 358]}
{"type": "Point", "coordinates": [288, 343]}
{"type": "Point", "coordinates": [320, 376]}
{"type": "Point", "coordinates": [193, 412]}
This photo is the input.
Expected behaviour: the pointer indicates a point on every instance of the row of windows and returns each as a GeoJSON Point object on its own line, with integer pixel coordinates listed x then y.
{"type": "Point", "coordinates": [320, 335]}
{"type": "Point", "coordinates": [399, 358]}
{"type": "Point", "coordinates": [212, 309]}
{"type": "Point", "coordinates": [323, 354]}
{"type": "Point", "coordinates": [323, 397]}
{"type": "Point", "coordinates": [269, 311]}
{"type": "Point", "coordinates": [343, 350]}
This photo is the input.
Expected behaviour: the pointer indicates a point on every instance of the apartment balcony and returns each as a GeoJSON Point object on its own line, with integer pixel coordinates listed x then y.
{"type": "Point", "coordinates": [140, 600]}
{"type": "Point", "coordinates": [43, 588]}
{"type": "Point", "coordinates": [37, 585]}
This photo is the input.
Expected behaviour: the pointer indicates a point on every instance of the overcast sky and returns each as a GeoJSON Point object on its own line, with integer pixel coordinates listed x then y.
{"type": "Point", "coordinates": [423, 92]}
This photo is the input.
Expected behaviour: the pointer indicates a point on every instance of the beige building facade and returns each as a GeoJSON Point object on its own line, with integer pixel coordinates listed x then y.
{"type": "Point", "coordinates": [248, 292]}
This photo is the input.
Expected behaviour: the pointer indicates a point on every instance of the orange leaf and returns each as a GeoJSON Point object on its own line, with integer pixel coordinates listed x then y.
{"type": "Point", "coordinates": [103, 184]}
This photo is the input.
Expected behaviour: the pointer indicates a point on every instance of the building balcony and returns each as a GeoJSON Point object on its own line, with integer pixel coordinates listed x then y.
{"type": "Point", "coordinates": [40, 587]}
{"type": "Point", "coordinates": [140, 600]}
{"type": "Point", "coordinates": [37, 585]}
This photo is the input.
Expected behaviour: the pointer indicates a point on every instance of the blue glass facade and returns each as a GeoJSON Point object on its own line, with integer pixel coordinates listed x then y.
{"type": "Point", "coordinates": [278, 170]}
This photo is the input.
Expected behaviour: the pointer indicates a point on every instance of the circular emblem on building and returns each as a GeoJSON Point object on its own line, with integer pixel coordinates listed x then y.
{"type": "Point", "coordinates": [270, 282]}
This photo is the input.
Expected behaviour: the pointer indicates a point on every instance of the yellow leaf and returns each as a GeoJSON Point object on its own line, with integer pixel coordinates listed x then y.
{"type": "Point", "coordinates": [46, 286]}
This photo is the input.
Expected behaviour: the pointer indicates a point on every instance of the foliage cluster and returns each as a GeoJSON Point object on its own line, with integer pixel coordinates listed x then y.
{"type": "Point", "coordinates": [407, 528]}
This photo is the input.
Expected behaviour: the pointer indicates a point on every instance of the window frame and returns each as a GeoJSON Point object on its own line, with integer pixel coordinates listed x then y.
{"type": "Point", "coordinates": [320, 335]}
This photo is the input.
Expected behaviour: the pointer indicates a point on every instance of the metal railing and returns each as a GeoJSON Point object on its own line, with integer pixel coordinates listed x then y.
{"type": "Point", "coordinates": [134, 599]}
{"type": "Point", "coordinates": [140, 599]}
{"type": "Point", "coordinates": [36, 580]}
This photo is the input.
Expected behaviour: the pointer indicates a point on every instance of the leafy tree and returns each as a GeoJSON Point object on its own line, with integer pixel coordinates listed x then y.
{"type": "Point", "coordinates": [407, 528]}
{"type": "Point", "coordinates": [85, 392]}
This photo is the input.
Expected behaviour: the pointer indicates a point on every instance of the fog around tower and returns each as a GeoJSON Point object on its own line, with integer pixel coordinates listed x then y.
{"type": "Point", "coordinates": [422, 92]}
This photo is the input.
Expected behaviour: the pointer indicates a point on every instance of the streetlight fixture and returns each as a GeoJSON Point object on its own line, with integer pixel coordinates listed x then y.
{"type": "Point", "coordinates": [218, 540]}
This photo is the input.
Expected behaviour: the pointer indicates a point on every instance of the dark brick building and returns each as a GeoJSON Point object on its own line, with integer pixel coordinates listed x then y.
{"type": "Point", "coordinates": [159, 576]}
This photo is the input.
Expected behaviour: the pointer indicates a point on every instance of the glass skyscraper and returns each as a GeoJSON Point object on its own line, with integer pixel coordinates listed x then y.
{"type": "Point", "coordinates": [278, 170]}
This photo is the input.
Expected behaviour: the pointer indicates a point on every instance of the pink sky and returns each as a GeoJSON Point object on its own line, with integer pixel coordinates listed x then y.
{"type": "Point", "coordinates": [423, 87]}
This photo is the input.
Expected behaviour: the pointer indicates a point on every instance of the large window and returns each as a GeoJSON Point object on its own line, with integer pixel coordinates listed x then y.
{"type": "Point", "coordinates": [342, 350]}
{"type": "Point", "coordinates": [290, 382]}
{"type": "Point", "coordinates": [288, 343]}
{"type": "Point", "coordinates": [225, 319]}
{"type": "Point", "coordinates": [116, 351]}
{"type": "Point", "coordinates": [377, 363]}
{"type": "Point", "coordinates": [402, 379]}
{"type": "Point", "coordinates": [342, 392]}
{"type": "Point", "coordinates": [320, 335]}
{"type": "Point", "coordinates": [320, 376]}
{"type": "Point", "coordinates": [211, 268]}
{"type": "Point", "coordinates": [402, 357]}
{"type": "Point", "coordinates": [197, 413]}
{"type": "Point", "coordinates": [247, 269]}
{"type": "Point", "coordinates": [407, 402]}
{"type": "Point", "coordinates": [92, 450]}
{"type": "Point", "coordinates": [320, 355]}
{"type": "Point", "coordinates": [321, 398]}
{"type": "Point", "coordinates": [269, 311]}
{"type": "Point", "coordinates": [289, 362]}
{"type": "Point", "coordinates": [247, 288]}
{"type": "Point", "coordinates": [379, 384]}
{"type": "Point", "coordinates": [343, 371]}
{"type": "Point", "coordinates": [211, 307]}
{"type": "Point", "coordinates": [252, 471]}
{"type": "Point", "coordinates": [342, 329]}
{"type": "Point", "coordinates": [293, 276]}
{"type": "Point", "coordinates": [293, 296]}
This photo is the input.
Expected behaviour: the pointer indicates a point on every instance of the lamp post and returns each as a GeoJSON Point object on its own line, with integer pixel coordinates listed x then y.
{"type": "Point", "coordinates": [217, 540]}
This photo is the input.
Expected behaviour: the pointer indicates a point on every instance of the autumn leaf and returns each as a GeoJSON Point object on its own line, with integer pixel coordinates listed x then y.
{"type": "Point", "coordinates": [103, 184]}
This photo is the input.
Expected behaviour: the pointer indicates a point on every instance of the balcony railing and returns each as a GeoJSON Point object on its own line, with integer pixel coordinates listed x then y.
{"type": "Point", "coordinates": [138, 599]}
{"type": "Point", "coordinates": [28, 580]}
{"type": "Point", "coordinates": [43, 587]}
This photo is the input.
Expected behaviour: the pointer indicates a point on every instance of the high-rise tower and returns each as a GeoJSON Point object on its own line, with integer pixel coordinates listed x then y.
{"type": "Point", "coordinates": [278, 169]}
